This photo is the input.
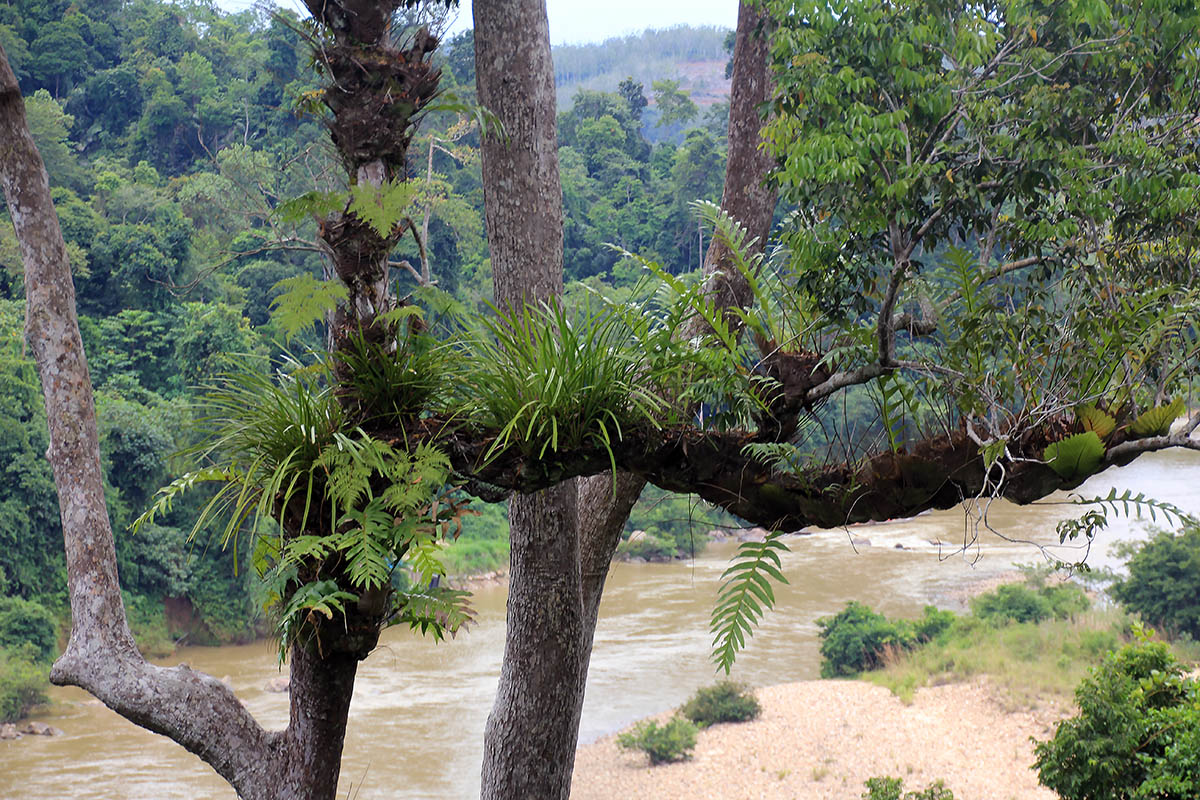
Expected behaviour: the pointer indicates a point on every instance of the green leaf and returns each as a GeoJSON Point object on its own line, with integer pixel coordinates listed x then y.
{"type": "Point", "coordinates": [1076, 456]}
{"type": "Point", "coordinates": [383, 206]}
{"type": "Point", "coordinates": [310, 204]}
{"type": "Point", "coordinates": [1157, 421]}
{"type": "Point", "coordinates": [1095, 420]}
{"type": "Point", "coordinates": [745, 596]}
{"type": "Point", "coordinates": [304, 302]}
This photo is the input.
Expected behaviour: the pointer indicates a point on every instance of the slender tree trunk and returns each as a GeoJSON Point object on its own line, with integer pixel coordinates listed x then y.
{"type": "Point", "coordinates": [529, 746]}
{"type": "Point", "coordinates": [320, 693]}
{"type": "Point", "coordinates": [192, 708]}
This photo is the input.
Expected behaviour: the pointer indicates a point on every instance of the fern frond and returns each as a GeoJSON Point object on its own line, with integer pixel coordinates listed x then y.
{"type": "Point", "coordinates": [382, 207]}
{"type": "Point", "coordinates": [745, 596]}
{"type": "Point", "coordinates": [434, 611]}
{"type": "Point", "coordinates": [1126, 504]}
{"type": "Point", "coordinates": [165, 497]}
{"type": "Point", "coordinates": [304, 301]}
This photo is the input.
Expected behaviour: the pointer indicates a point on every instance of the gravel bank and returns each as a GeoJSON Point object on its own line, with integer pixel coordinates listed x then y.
{"type": "Point", "coordinates": [821, 740]}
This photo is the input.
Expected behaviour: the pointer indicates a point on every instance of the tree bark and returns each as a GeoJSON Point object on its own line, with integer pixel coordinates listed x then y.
{"type": "Point", "coordinates": [529, 744]}
{"type": "Point", "coordinates": [193, 709]}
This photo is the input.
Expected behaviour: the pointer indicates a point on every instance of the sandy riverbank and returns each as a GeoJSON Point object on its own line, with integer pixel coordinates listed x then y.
{"type": "Point", "coordinates": [821, 740]}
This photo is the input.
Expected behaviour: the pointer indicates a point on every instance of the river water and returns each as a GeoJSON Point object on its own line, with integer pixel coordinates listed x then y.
{"type": "Point", "coordinates": [419, 708]}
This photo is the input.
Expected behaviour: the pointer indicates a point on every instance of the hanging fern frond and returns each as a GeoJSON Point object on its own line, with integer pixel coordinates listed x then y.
{"type": "Point", "coordinates": [745, 595]}
{"type": "Point", "coordinates": [165, 497]}
{"type": "Point", "coordinates": [303, 302]}
{"type": "Point", "coordinates": [435, 611]}
{"type": "Point", "coordinates": [1126, 504]}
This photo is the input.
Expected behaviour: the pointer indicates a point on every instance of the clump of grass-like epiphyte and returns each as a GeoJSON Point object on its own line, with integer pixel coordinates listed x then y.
{"type": "Point", "coordinates": [548, 385]}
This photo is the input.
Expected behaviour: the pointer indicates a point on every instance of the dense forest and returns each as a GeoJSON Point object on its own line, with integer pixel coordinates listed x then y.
{"type": "Point", "coordinates": [175, 136]}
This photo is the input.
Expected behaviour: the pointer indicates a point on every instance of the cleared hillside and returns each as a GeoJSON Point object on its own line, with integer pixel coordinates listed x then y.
{"type": "Point", "coordinates": [696, 57]}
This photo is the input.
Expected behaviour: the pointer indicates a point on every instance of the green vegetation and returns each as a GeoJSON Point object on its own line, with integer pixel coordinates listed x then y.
{"type": "Point", "coordinates": [671, 741]}
{"type": "Point", "coordinates": [1026, 658]}
{"type": "Point", "coordinates": [888, 788]}
{"type": "Point", "coordinates": [23, 682]}
{"type": "Point", "coordinates": [723, 702]}
{"type": "Point", "coordinates": [1137, 733]}
{"type": "Point", "coordinates": [1163, 586]}
{"type": "Point", "coordinates": [26, 623]}
{"type": "Point", "coordinates": [858, 639]}
{"type": "Point", "coordinates": [28, 635]}
{"type": "Point", "coordinates": [1019, 603]}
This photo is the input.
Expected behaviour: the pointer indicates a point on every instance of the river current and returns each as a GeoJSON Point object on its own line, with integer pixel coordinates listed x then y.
{"type": "Point", "coordinates": [419, 708]}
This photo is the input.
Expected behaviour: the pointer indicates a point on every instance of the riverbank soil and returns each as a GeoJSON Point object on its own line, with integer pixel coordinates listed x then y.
{"type": "Point", "coordinates": [821, 740]}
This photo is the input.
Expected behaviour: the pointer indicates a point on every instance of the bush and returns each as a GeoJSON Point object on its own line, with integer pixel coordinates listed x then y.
{"type": "Point", "coordinates": [26, 622]}
{"type": "Point", "coordinates": [885, 788]}
{"type": "Point", "coordinates": [933, 624]}
{"type": "Point", "coordinates": [22, 682]}
{"type": "Point", "coordinates": [1137, 734]}
{"type": "Point", "coordinates": [649, 546]}
{"type": "Point", "coordinates": [1017, 603]}
{"type": "Point", "coordinates": [1163, 586]}
{"type": "Point", "coordinates": [663, 743]}
{"type": "Point", "coordinates": [724, 702]}
{"type": "Point", "coordinates": [857, 639]}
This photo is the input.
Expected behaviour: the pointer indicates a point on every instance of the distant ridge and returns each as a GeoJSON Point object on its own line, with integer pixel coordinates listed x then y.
{"type": "Point", "coordinates": [695, 56]}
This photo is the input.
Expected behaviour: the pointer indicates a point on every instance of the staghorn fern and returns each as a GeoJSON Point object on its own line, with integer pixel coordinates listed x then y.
{"type": "Point", "coordinates": [1076, 456]}
{"type": "Point", "coordinates": [1095, 420]}
{"type": "Point", "coordinates": [1157, 421]}
{"type": "Point", "coordinates": [745, 596]}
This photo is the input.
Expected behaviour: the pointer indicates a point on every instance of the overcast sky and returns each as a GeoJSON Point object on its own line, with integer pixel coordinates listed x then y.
{"type": "Point", "coordinates": [582, 21]}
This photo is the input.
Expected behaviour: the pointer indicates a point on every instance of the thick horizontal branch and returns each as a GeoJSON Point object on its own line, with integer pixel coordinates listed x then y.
{"type": "Point", "coordinates": [723, 468]}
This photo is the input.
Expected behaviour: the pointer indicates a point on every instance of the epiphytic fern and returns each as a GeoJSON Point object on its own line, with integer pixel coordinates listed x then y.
{"type": "Point", "coordinates": [745, 596]}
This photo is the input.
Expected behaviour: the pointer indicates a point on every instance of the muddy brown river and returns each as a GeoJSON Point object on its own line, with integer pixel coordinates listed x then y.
{"type": "Point", "coordinates": [417, 719]}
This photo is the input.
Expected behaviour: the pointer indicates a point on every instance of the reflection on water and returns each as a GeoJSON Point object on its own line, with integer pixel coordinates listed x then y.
{"type": "Point", "coordinates": [417, 720]}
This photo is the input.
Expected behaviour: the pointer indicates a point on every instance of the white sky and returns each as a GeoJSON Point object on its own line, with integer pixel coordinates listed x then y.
{"type": "Point", "coordinates": [583, 21]}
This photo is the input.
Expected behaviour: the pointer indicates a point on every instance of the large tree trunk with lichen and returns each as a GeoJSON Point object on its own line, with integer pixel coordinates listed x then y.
{"type": "Point", "coordinates": [529, 744]}
{"type": "Point", "coordinates": [560, 559]}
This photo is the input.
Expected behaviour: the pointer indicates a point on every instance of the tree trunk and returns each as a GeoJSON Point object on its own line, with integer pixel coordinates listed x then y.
{"type": "Point", "coordinates": [193, 709]}
{"type": "Point", "coordinates": [529, 744]}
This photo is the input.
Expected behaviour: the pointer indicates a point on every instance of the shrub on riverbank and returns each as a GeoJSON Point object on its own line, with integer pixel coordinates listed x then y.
{"type": "Point", "coordinates": [1163, 586]}
{"type": "Point", "coordinates": [1137, 733]}
{"type": "Point", "coordinates": [23, 682]}
{"type": "Point", "coordinates": [24, 622]}
{"type": "Point", "coordinates": [671, 741]}
{"type": "Point", "coordinates": [887, 788]}
{"type": "Point", "coordinates": [859, 639]}
{"type": "Point", "coordinates": [724, 702]}
{"type": "Point", "coordinates": [1015, 602]}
